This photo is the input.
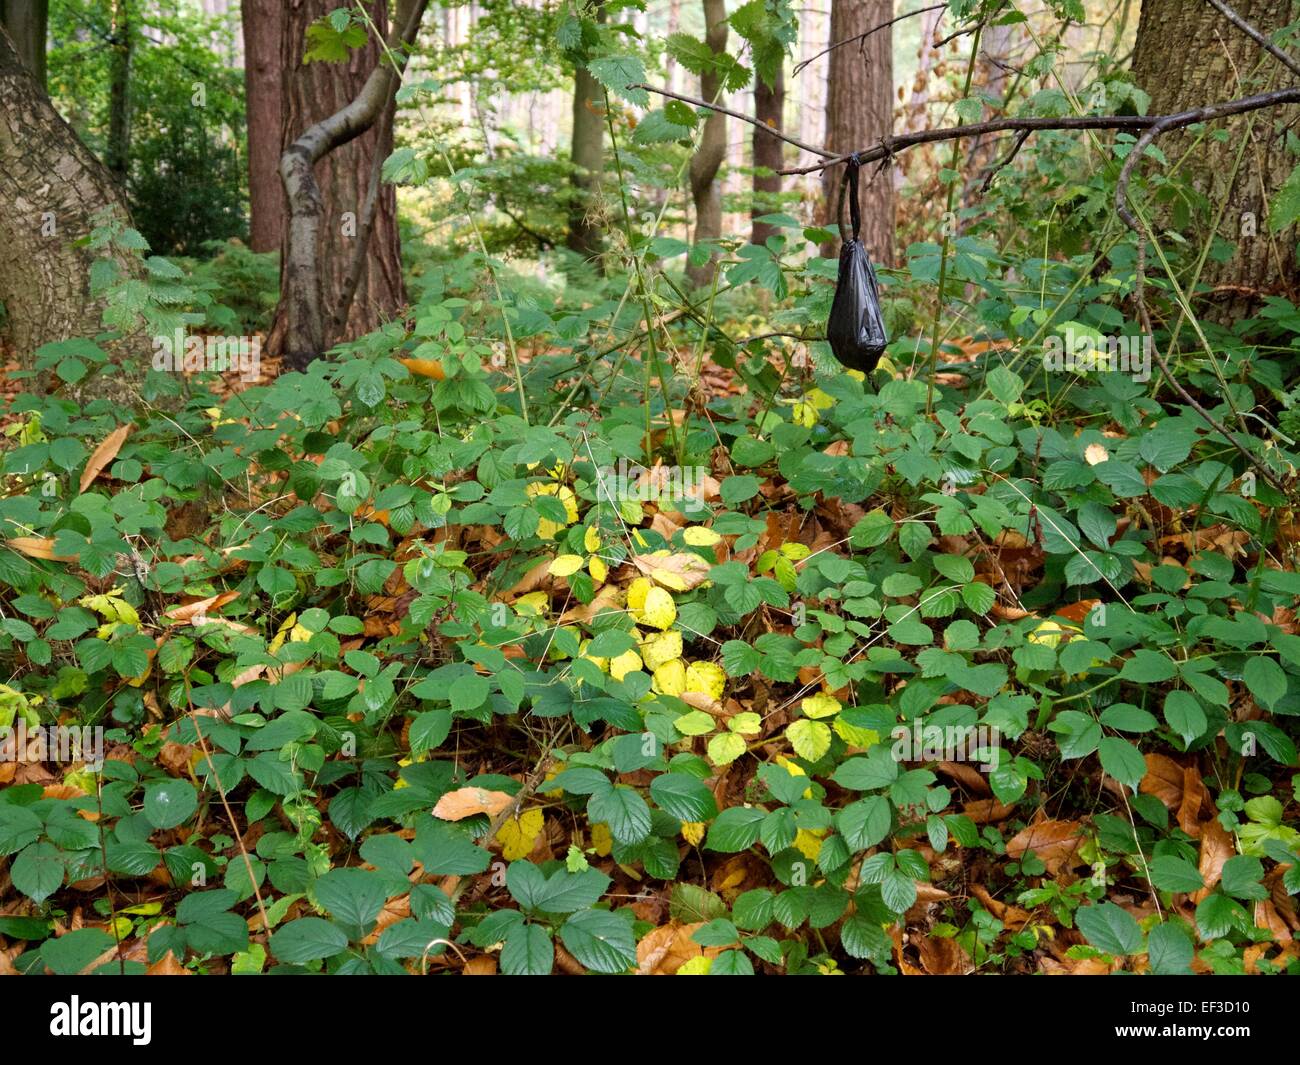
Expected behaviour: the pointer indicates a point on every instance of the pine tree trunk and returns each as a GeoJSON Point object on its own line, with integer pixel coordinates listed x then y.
{"type": "Point", "coordinates": [706, 191]}
{"type": "Point", "coordinates": [859, 111]}
{"type": "Point", "coordinates": [263, 92]}
{"type": "Point", "coordinates": [27, 22]}
{"type": "Point", "coordinates": [313, 92]}
{"type": "Point", "coordinates": [1213, 60]}
{"type": "Point", "coordinates": [51, 189]}
{"type": "Point", "coordinates": [769, 107]}
{"type": "Point", "coordinates": [588, 156]}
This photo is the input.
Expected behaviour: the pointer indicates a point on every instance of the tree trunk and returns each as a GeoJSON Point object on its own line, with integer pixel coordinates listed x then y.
{"type": "Point", "coordinates": [51, 189]}
{"type": "Point", "coordinates": [117, 152]}
{"type": "Point", "coordinates": [588, 157]}
{"type": "Point", "coordinates": [331, 194]}
{"type": "Point", "coordinates": [712, 150]}
{"type": "Point", "coordinates": [26, 22]}
{"type": "Point", "coordinates": [859, 111]}
{"type": "Point", "coordinates": [263, 91]}
{"type": "Point", "coordinates": [769, 107]}
{"type": "Point", "coordinates": [1213, 60]}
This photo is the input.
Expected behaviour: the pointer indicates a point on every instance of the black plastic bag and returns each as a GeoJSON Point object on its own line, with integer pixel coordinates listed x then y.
{"type": "Point", "coordinates": [856, 330]}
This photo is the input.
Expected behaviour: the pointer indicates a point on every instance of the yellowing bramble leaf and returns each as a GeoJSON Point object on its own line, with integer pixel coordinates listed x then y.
{"type": "Point", "coordinates": [699, 536]}
{"type": "Point", "coordinates": [810, 739]}
{"type": "Point", "coordinates": [660, 648]}
{"type": "Point", "coordinates": [602, 840]}
{"type": "Point", "coordinates": [533, 604]}
{"type": "Point", "coordinates": [697, 966]}
{"type": "Point", "coordinates": [670, 678]}
{"type": "Point", "coordinates": [565, 565]}
{"type": "Point", "coordinates": [706, 677]}
{"type": "Point", "coordinates": [804, 414]}
{"type": "Point", "coordinates": [820, 705]}
{"type": "Point", "coordinates": [725, 748]}
{"type": "Point", "coordinates": [746, 724]}
{"type": "Point", "coordinates": [518, 835]}
{"type": "Point", "coordinates": [636, 594]}
{"type": "Point", "coordinates": [693, 832]}
{"type": "Point", "coordinates": [597, 568]}
{"type": "Point", "coordinates": [809, 843]}
{"type": "Point", "coordinates": [591, 540]}
{"type": "Point", "coordinates": [659, 611]}
{"type": "Point", "coordinates": [696, 723]}
{"type": "Point", "coordinates": [855, 735]}
{"type": "Point", "coordinates": [627, 662]}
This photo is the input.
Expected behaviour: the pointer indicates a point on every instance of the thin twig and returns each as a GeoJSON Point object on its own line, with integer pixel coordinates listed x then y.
{"type": "Point", "coordinates": [736, 114]}
{"type": "Point", "coordinates": [1255, 35]}
{"type": "Point", "coordinates": [798, 67]}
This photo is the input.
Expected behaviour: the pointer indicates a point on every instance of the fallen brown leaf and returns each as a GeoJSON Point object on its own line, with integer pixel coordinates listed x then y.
{"type": "Point", "coordinates": [466, 802]}
{"type": "Point", "coordinates": [104, 454]}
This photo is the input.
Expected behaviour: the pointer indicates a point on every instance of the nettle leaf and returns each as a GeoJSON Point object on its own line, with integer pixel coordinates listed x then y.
{"type": "Point", "coordinates": [621, 74]}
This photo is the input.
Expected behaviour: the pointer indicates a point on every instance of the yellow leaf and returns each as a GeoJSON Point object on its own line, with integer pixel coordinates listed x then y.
{"type": "Point", "coordinates": [591, 540]}
{"type": "Point", "coordinates": [659, 611]}
{"type": "Point", "coordinates": [636, 594]}
{"type": "Point", "coordinates": [725, 748]}
{"type": "Point", "coordinates": [699, 536]}
{"type": "Point", "coordinates": [599, 571]}
{"type": "Point", "coordinates": [425, 368]}
{"type": "Point", "coordinates": [693, 832]}
{"type": "Point", "coordinates": [820, 705]}
{"type": "Point", "coordinates": [565, 565]}
{"type": "Point", "coordinates": [533, 604]}
{"type": "Point", "coordinates": [746, 724]}
{"type": "Point", "coordinates": [696, 723]}
{"type": "Point", "coordinates": [697, 966]}
{"type": "Point", "coordinates": [809, 843]}
{"type": "Point", "coordinates": [810, 739]}
{"type": "Point", "coordinates": [518, 835]}
{"type": "Point", "coordinates": [626, 663]}
{"type": "Point", "coordinates": [602, 840]}
{"type": "Point", "coordinates": [670, 679]}
{"type": "Point", "coordinates": [855, 735]}
{"type": "Point", "coordinates": [706, 677]}
{"type": "Point", "coordinates": [660, 648]}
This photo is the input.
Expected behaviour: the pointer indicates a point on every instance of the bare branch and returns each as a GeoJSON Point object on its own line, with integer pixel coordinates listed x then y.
{"type": "Point", "coordinates": [893, 144]}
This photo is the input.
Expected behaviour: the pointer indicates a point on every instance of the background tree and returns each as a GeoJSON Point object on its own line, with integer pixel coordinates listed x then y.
{"type": "Point", "coordinates": [51, 190]}
{"type": "Point", "coordinates": [769, 108]}
{"type": "Point", "coordinates": [587, 152]}
{"type": "Point", "coordinates": [706, 193]}
{"type": "Point", "coordinates": [1239, 175]}
{"type": "Point", "coordinates": [859, 111]}
{"type": "Point", "coordinates": [341, 265]}
{"type": "Point", "coordinates": [333, 203]}
{"type": "Point", "coordinates": [26, 22]}
{"type": "Point", "coordinates": [263, 94]}
{"type": "Point", "coordinates": [122, 31]}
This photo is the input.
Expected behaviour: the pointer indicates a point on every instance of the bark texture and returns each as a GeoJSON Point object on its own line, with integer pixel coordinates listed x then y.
{"type": "Point", "coordinates": [51, 189]}
{"type": "Point", "coordinates": [117, 154]}
{"type": "Point", "coordinates": [263, 93]}
{"type": "Point", "coordinates": [706, 191]}
{"type": "Point", "coordinates": [859, 111]}
{"type": "Point", "coordinates": [769, 107]}
{"type": "Point", "coordinates": [1188, 54]}
{"type": "Point", "coordinates": [334, 143]}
